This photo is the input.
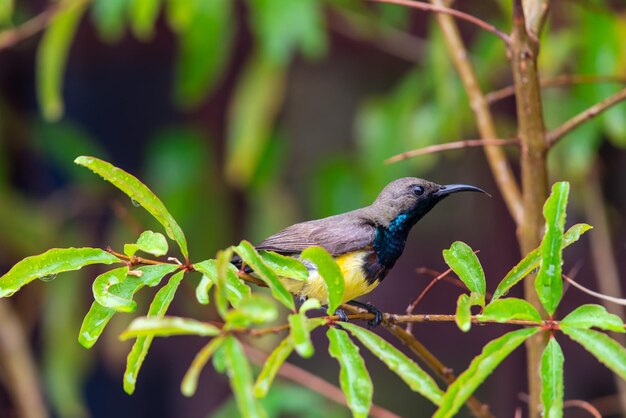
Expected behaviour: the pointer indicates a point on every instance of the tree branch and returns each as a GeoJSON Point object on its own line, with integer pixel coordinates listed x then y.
{"type": "Point", "coordinates": [556, 134]}
{"type": "Point", "coordinates": [466, 143]}
{"type": "Point", "coordinates": [562, 80]}
{"type": "Point", "coordinates": [10, 37]}
{"type": "Point", "coordinates": [452, 12]}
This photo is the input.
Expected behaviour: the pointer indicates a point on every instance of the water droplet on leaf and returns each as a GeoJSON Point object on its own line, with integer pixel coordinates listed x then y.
{"type": "Point", "coordinates": [135, 203]}
{"type": "Point", "coordinates": [48, 277]}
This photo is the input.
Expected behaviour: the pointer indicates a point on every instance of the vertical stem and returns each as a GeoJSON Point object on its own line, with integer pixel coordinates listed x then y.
{"type": "Point", "coordinates": [531, 132]}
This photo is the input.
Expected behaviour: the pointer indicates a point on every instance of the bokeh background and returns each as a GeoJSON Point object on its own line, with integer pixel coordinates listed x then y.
{"type": "Point", "coordinates": [247, 116]}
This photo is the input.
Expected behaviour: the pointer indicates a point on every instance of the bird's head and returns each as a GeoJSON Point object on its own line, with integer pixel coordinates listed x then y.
{"type": "Point", "coordinates": [412, 197]}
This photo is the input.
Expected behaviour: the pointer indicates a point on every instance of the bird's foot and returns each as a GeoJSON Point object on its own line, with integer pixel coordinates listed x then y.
{"type": "Point", "coordinates": [378, 315]}
{"type": "Point", "coordinates": [343, 317]}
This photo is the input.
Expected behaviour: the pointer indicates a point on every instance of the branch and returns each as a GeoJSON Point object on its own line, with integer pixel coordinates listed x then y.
{"type": "Point", "coordinates": [556, 134]}
{"type": "Point", "coordinates": [498, 163]}
{"type": "Point", "coordinates": [562, 80]}
{"type": "Point", "coordinates": [452, 12]}
{"type": "Point", "coordinates": [576, 403]}
{"type": "Point", "coordinates": [466, 143]}
{"type": "Point", "coordinates": [309, 380]}
{"type": "Point", "coordinates": [10, 37]}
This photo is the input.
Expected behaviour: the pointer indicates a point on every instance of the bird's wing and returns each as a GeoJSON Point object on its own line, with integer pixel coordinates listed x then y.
{"type": "Point", "coordinates": [337, 234]}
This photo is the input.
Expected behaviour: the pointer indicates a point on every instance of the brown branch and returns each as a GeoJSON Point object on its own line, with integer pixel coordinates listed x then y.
{"type": "Point", "coordinates": [496, 157]}
{"type": "Point", "coordinates": [562, 80]}
{"type": "Point", "coordinates": [309, 380]}
{"type": "Point", "coordinates": [466, 143]}
{"type": "Point", "coordinates": [576, 403]}
{"type": "Point", "coordinates": [452, 12]}
{"type": "Point", "coordinates": [10, 37]}
{"type": "Point", "coordinates": [413, 305]}
{"type": "Point", "coordinates": [556, 134]}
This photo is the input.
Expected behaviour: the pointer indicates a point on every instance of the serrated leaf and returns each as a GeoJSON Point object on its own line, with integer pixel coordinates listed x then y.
{"type": "Point", "coordinates": [102, 294]}
{"type": "Point", "coordinates": [549, 283]}
{"type": "Point", "coordinates": [552, 380]}
{"type": "Point", "coordinates": [463, 317]}
{"type": "Point", "coordinates": [330, 272]}
{"type": "Point", "coordinates": [604, 348]}
{"type": "Point", "coordinates": [466, 265]}
{"type": "Point", "coordinates": [254, 107]}
{"type": "Point", "coordinates": [190, 381]}
{"type": "Point", "coordinates": [236, 289]}
{"type": "Point", "coordinates": [503, 310]}
{"type": "Point", "coordinates": [202, 290]}
{"type": "Point", "coordinates": [50, 263]}
{"type": "Point", "coordinates": [157, 309]}
{"type": "Point", "coordinates": [284, 266]}
{"type": "Point", "coordinates": [143, 15]}
{"type": "Point", "coordinates": [479, 369]}
{"type": "Point", "coordinates": [300, 335]}
{"type": "Point", "coordinates": [354, 379]}
{"type": "Point", "coordinates": [139, 193]}
{"type": "Point", "coordinates": [203, 26]}
{"type": "Point", "coordinates": [271, 367]}
{"type": "Point", "coordinates": [412, 374]}
{"type": "Point", "coordinates": [253, 309]}
{"type": "Point", "coordinates": [98, 316]}
{"type": "Point", "coordinates": [587, 316]}
{"type": "Point", "coordinates": [532, 260]}
{"type": "Point", "coordinates": [152, 243]}
{"type": "Point", "coordinates": [249, 255]}
{"type": "Point", "coordinates": [52, 57]}
{"type": "Point", "coordinates": [168, 326]}
{"type": "Point", "coordinates": [240, 377]}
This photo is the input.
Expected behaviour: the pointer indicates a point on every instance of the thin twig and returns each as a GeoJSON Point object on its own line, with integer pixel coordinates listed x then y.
{"type": "Point", "coordinates": [562, 80]}
{"type": "Point", "coordinates": [413, 305]}
{"type": "Point", "coordinates": [466, 143]}
{"type": "Point", "coordinates": [498, 163]}
{"type": "Point", "coordinates": [556, 134]}
{"type": "Point", "coordinates": [618, 301]}
{"type": "Point", "coordinates": [452, 12]}
{"type": "Point", "coordinates": [577, 403]}
{"type": "Point", "coordinates": [309, 380]}
{"type": "Point", "coordinates": [10, 37]}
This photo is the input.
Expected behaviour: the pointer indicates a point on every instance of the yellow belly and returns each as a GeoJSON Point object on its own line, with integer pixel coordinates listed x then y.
{"type": "Point", "coordinates": [355, 282]}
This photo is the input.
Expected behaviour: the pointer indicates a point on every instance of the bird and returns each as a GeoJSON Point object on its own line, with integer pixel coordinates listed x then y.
{"type": "Point", "coordinates": [365, 243]}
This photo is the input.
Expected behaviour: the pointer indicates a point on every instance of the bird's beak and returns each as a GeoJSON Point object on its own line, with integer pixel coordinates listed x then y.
{"type": "Point", "coordinates": [454, 188]}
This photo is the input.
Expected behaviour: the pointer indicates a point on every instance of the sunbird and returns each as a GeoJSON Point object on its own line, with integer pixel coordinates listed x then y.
{"type": "Point", "coordinates": [366, 242]}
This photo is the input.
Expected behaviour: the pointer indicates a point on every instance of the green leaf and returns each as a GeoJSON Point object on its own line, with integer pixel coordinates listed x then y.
{"type": "Point", "coordinates": [549, 283]}
{"type": "Point", "coordinates": [503, 310]}
{"type": "Point", "coordinates": [552, 380]}
{"type": "Point", "coordinates": [202, 290]}
{"type": "Point", "coordinates": [479, 369]}
{"type": "Point", "coordinates": [587, 316]}
{"type": "Point", "coordinates": [152, 243]}
{"type": "Point", "coordinates": [51, 263]}
{"type": "Point", "coordinates": [157, 309]}
{"type": "Point", "coordinates": [139, 193]}
{"type": "Point", "coordinates": [205, 26]}
{"type": "Point", "coordinates": [168, 326]}
{"type": "Point", "coordinates": [284, 266]}
{"type": "Point", "coordinates": [254, 107]}
{"type": "Point", "coordinates": [143, 15]}
{"type": "Point", "coordinates": [465, 264]}
{"type": "Point", "coordinates": [300, 335]}
{"type": "Point", "coordinates": [271, 367]}
{"type": "Point", "coordinates": [6, 11]}
{"type": "Point", "coordinates": [98, 316]}
{"type": "Point", "coordinates": [190, 381]}
{"type": "Point", "coordinates": [310, 304]}
{"type": "Point", "coordinates": [249, 255]}
{"type": "Point", "coordinates": [52, 57]}
{"type": "Point", "coordinates": [463, 317]}
{"type": "Point", "coordinates": [240, 377]}
{"type": "Point", "coordinates": [354, 379]}
{"type": "Point", "coordinates": [413, 375]}
{"type": "Point", "coordinates": [330, 272]}
{"type": "Point", "coordinates": [532, 260]}
{"type": "Point", "coordinates": [102, 294]}
{"type": "Point", "coordinates": [253, 309]}
{"type": "Point", "coordinates": [236, 289]}
{"type": "Point", "coordinates": [604, 348]}
{"type": "Point", "coordinates": [109, 17]}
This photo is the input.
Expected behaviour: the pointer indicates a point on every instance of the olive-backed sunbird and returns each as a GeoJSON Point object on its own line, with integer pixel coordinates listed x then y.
{"type": "Point", "coordinates": [365, 242]}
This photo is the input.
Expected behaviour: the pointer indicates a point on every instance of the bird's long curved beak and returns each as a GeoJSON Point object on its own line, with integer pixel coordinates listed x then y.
{"type": "Point", "coordinates": [455, 188]}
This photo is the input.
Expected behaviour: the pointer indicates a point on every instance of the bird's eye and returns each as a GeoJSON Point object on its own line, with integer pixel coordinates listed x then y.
{"type": "Point", "coordinates": [418, 190]}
